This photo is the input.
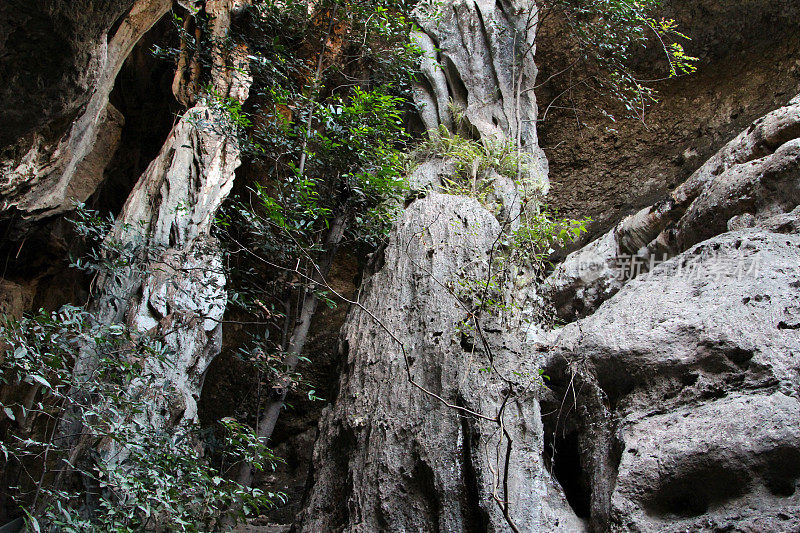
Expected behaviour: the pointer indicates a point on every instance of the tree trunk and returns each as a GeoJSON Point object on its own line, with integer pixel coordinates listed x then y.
{"type": "Point", "coordinates": [266, 425]}
{"type": "Point", "coordinates": [314, 90]}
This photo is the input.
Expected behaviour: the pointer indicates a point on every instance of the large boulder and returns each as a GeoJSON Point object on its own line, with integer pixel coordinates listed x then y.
{"type": "Point", "coordinates": [696, 366]}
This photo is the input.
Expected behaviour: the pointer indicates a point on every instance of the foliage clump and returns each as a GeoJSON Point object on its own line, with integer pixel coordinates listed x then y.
{"type": "Point", "coordinates": [325, 151]}
{"type": "Point", "coordinates": [78, 442]}
{"type": "Point", "coordinates": [325, 170]}
{"type": "Point", "coordinates": [474, 160]}
{"type": "Point", "coordinates": [606, 36]}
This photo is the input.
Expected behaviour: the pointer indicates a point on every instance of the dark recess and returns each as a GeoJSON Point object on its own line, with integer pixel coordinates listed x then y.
{"type": "Point", "coordinates": [690, 495]}
{"type": "Point", "coordinates": [562, 457]}
{"type": "Point", "coordinates": [476, 518]}
{"type": "Point", "coordinates": [143, 94]}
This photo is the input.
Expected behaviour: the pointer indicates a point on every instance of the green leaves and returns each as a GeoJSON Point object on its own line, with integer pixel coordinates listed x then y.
{"type": "Point", "coordinates": [235, 120]}
{"type": "Point", "coordinates": [540, 233]}
{"type": "Point", "coordinates": [475, 160]}
{"type": "Point", "coordinates": [40, 380]}
{"type": "Point", "coordinates": [608, 32]}
{"type": "Point", "coordinates": [353, 163]}
{"type": "Point", "coordinates": [358, 139]}
{"type": "Point", "coordinates": [154, 475]}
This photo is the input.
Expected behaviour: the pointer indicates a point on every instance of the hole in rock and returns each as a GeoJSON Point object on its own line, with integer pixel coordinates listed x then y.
{"type": "Point", "coordinates": [467, 343]}
{"type": "Point", "coordinates": [456, 85]}
{"type": "Point", "coordinates": [426, 490]}
{"type": "Point", "coordinates": [563, 459]}
{"type": "Point", "coordinates": [697, 488]}
{"type": "Point", "coordinates": [475, 517]}
{"type": "Point", "coordinates": [143, 94]}
{"type": "Point", "coordinates": [782, 471]}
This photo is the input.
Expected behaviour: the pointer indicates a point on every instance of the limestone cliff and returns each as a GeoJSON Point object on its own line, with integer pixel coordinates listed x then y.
{"type": "Point", "coordinates": [670, 400]}
{"type": "Point", "coordinates": [411, 443]}
{"type": "Point", "coordinates": [671, 407]}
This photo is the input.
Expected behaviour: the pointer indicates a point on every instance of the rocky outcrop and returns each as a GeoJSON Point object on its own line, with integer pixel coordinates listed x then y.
{"type": "Point", "coordinates": [52, 54]}
{"type": "Point", "coordinates": [605, 169]}
{"type": "Point", "coordinates": [677, 395]}
{"type": "Point", "coordinates": [479, 74]}
{"type": "Point", "coordinates": [697, 366]}
{"type": "Point", "coordinates": [672, 406]}
{"type": "Point", "coordinates": [672, 400]}
{"type": "Point", "coordinates": [174, 286]}
{"type": "Point", "coordinates": [49, 170]}
{"type": "Point", "coordinates": [752, 177]}
{"type": "Point", "coordinates": [436, 425]}
{"type": "Point", "coordinates": [411, 443]}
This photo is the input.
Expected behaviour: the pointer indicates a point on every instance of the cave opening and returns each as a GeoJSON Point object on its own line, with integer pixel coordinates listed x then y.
{"type": "Point", "coordinates": [35, 257]}
{"type": "Point", "coordinates": [143, 95]}
{"type": "Point", "coordinates": [562, 458]}
{"type": "Point", "coordinates": [704, 483]}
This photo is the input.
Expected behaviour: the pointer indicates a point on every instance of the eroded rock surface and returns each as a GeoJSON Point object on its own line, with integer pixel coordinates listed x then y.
{"type": "Point", "coordinates": [390, 455]}
{"type": "Point", "coordinates": [754, 176]}
{"type": "Point", "coordinates": [748, 66]}
{"type": "Point", "coordinates": [52, 53]}
{"type": "Point", "coordinates": [697, 364]}
{"type": "Point", "coordinates": [673, 402]}
{"type": "Point", "coordinates": [50, 169]}
{"type": "Point", "coordinates": [479, 73]}
{"type": "Point", "coordinates": [176, 286]}
{"type": "Point", "coordinates": [677, 395]}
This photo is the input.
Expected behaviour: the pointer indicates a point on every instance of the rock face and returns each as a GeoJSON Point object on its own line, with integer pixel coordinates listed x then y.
{"type": "Point", "coordinates": [436, 425]}
{"type": "Point", "coordinates": [677, 395]}
{"type": "Point", "coordinates": [744, 23]}
{"type": "Point", "coordinates": [50, 169]}
{"type": "Point", "coordinates": [672, 406]}
{"type": "Point", "coordinates": [392, 455]}
{"type": "Point", "coordinates": [697, 364]}
{"type": "Point", "coordinates": [752, 177]}
{"type": "Point", "coordinates": [673, 398]}
{"type": "Point", "coordinates": [478, 63]}
{"type": "Point", "coordinates": [176, 287]}
{"type": "Point", "coordinates": [748, 66]}
{"type": "Point", "coordinates": [52, 54]}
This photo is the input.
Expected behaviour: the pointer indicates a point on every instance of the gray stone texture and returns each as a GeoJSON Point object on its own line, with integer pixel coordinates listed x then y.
{"type": "Point", "coordinates": [391, 456]}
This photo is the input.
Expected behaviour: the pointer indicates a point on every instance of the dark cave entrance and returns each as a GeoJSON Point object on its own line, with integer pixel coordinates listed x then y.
{"type": "Point", "coordinates": [35, 256]}
{"type": "Point", "coordinates": [562, 458]}
{"type": "Point", "coordinates": [143, 94]}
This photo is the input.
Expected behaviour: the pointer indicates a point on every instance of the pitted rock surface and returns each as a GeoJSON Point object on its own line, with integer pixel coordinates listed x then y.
{"type": "Point", "coordinates": [697, 364]}
{"type": "Point", "coordinates": [391, 456]}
